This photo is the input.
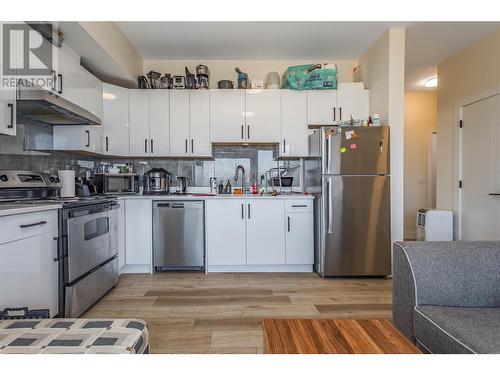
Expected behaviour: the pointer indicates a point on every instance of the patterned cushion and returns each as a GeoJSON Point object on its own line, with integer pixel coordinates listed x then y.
{"type": "Point", "coordinates": [74, 336]}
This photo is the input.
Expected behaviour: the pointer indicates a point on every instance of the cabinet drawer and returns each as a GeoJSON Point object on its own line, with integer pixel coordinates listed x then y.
{"type": "Point", "coordinates": [21, 226]}
{"type": "Point", "coordinates": [298, 205]}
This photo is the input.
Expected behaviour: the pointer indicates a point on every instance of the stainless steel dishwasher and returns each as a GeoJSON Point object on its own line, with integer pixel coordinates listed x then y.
{"type": "Point", "coordinates": [178, 235]}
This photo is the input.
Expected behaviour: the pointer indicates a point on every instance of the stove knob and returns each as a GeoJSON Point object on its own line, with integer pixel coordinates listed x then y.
{"type": "Point", "coordinates": [52, 179]}
{"type": "Point", "coordinates": [56, 179]}
{"type": "Point", "coordinates": [3, 178]}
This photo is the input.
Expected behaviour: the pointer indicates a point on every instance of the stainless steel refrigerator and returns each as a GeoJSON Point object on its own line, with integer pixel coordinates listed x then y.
{"type": "Point", "coordinates": [349, 174]}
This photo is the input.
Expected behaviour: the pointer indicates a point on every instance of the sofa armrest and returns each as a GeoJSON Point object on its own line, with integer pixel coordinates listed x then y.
{"type": "Point", "coordinates": [460, 273]}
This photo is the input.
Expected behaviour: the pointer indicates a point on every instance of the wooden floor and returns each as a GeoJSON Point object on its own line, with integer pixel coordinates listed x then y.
{"type": "Point", "coordinates": [223, 313]}
{"type": "Point", "coordinates": [329, 336]}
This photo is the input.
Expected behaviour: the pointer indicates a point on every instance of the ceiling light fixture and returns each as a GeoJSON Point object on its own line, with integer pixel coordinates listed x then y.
{"type": "Point", "coordinates": [432, 82]}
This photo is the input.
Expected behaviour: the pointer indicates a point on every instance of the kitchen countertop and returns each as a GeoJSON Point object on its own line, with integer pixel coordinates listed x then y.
{"type": "Point", "coordinates": [197, 196]}
{"type": "Point", "coordinates": [7, 209]}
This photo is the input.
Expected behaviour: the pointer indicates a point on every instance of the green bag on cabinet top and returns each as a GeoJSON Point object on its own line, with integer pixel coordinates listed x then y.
{"type": "Point", "coordinates": [310, 77]}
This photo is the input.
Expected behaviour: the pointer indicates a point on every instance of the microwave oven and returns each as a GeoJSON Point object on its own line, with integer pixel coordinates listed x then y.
{"type": "Point", "coordinates": [118, 183]}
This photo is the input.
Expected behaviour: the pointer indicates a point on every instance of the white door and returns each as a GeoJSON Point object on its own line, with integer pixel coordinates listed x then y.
{"type": "Point", "coordinates": [480, 193]}
{"type": "Point", "coordinates": [225, 231]}
{"type": "Point", "coordinates": [138, 235]}
{"type": "Point", "coordinates": [91, 98]}
{"type": "Point", "coordinates": [180, 143]}
{"type": "Point", "coordinates": [70, 82]}
{"type": "Point", "coordinates": [78, 138]}
{"type": "Point", "coordinates": [121, 234]}
{"type": "Point", "coordinates": [227, 110]}
{"type": "Point", "coordinates": [7, 100]}
{"type": "Point", "coordinates": [115, 121]}
{"type": "Point", "coordinates": [8, 111]}
{"type": "Point", "coordinates": [352, 102]}
{"type": "Point", "coordinates": [322, 107]}
{"type": "Point", "coordinates": [28, 273]}
{"type": "Point", "coordinates": [299, 238]}
{"type": "Point", "coordinates": [159, 123]}
{"type": "Point", "coordinates": [139, 122]}
{"type": "Point", "coordinates": [199, 123]}
{"type": "Point", "coordinates": [294, 135]}
{"type": "Point", "coordinates": [262, 115]}
{"type": "Point", "coordinates": [265, 231]}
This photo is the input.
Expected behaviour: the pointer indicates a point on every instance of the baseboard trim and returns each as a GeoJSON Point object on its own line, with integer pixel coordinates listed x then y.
{"type": "Point", "coordinates": [263, 268]}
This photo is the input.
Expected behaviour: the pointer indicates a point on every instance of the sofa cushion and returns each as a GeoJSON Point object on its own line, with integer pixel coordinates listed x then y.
{"type": "Point", "coordinates": [74, 336]}
{"type": "Point", "coordinates": [445, 329]}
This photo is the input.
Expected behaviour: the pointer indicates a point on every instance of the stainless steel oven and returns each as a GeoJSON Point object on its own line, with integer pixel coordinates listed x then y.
{"type": "Point", "coordinates": [119, 183]}
{"type": "Point", "coordinates": [88, 255]}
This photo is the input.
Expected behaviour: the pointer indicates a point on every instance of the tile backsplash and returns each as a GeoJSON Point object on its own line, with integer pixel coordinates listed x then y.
{"type": "Point", "coordinates": [256, 159]}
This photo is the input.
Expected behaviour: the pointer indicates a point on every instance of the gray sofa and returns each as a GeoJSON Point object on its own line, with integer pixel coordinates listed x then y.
{"type": "Point", "coordinates": [446, 295]}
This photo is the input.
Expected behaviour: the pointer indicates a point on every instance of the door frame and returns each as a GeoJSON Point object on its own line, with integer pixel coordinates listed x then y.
{"type": "Point", "coordinates": [457, 155]}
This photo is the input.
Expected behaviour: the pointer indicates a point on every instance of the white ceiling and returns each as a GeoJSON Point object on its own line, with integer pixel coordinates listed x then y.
{"type": "Point", "coordinates": [427, 43]}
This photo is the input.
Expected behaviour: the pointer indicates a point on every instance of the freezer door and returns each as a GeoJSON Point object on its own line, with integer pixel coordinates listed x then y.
{"type": "Point", "coordinates": [356, 238]}
{"type": "Point", "coordinates": [354, 150]}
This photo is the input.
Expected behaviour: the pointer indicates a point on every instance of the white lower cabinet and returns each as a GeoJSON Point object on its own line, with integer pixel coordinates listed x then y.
{"type": "Point", "coordinates": [225, 232]}
{"type": "Point", "coordinates": [251, 235]}
{"type": "Point", "coordinates": [121, 234]}
{"type": "Point", "coordinates": [138, 235]}
{"type": "Point", "coordinates": [28, 266]}
{"type": "Point", "coordinates": [265, 231]}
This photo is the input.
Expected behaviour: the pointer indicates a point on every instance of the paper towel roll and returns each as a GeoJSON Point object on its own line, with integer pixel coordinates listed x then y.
{"type": "Point", "coordinates": [67, 179]}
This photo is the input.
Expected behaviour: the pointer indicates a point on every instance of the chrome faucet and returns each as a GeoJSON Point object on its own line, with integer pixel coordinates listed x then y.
{"type": "Point", "coordinates": [236, 174]}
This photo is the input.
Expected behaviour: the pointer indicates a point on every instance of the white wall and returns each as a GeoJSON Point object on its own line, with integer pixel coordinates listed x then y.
{"type": "Point", "coordinates": [224, 69]}
{"type": "Point", "coordinates": [469, 73]}
{"type": "Point", "coordinates": [420, 123]}
{"type": "Point", "coordinates": [382, 71]}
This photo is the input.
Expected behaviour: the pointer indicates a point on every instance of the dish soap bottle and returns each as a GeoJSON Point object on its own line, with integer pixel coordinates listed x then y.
{"type": "Point", "coordinates": [228, 188]}
{"type": "Point", "coordinates": [221, 187]}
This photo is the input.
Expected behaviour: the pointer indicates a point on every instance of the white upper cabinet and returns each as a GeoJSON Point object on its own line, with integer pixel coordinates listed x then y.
{"type": "Point", "coordinates": [294, 133]}
{"type": "Point", "coordinates": [352, 100]}
{"type": "Point", "coordinates": [322, 107]}
{"type": "Point", "coordinates": [227, 121]}
{"type": "Point", "coordinates": [262, 116]}
{"type": "Point", "coordinates": [7, 100]}
{"type": "Point", "coordinates": [180, 142]}
{"type": "Point", "coordinates": [199, 123]}
{"type": "Point", "coordinates": [159, 122]}
{"type": "Point", "coordinates": [115, 121]}
{"type": "Point", "coordinates": [139, 122]}
{"type": "Point", "coordinates": [76, 84]}
{"type": "Point", "coordinates": [86, 138]}
{"type": "Point", "coordinates": [265, 231]}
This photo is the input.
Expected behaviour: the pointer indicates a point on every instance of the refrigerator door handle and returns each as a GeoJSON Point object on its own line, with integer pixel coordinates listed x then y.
{"type": "Point", "coordinates": [327, 154]}
{"type": "Point", "coordinates": [330, 207]}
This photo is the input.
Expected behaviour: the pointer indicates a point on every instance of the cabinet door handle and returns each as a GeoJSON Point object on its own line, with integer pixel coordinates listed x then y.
{"type": "Point", "coordinates": [340, 113]}
{"type": "Point", "coordinates": [334, 114]}
{"type": "Point", "coordinates": [249, 210]}
{"type": "Point", "coordinates": [284, 146]}
{"type": "Point", "coordinates": [299, 205]}
{"type": "Point", "coordinates": [152, 146]}
{"type": "Point", "coordinates": [192, 146]}
{"type": "Point", "coordinates": [288, 223]}
{"type": "Point", "coordinates": [248, 131]}
{"type": "Point", "coordinates": [87, 133]}
{"type": "Point", "coordinates": [242, 132]}
{"type": "Point", "coordinates": [186, 146]}
{"type": "Point", "coordinates": [107, 143]}
{"type": "Point", "coordinates": [242, 211]}
{"type": "Point", "coordinates": [60, 83]}
{"type": "Point", "coordinates": [11, 107]}
{"type": "Point", "coordinates": [54, 80]}
{"type": "Point", "coordinates": [145, 146]}
{"type": "Point", "coordinates": [33, 224]}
